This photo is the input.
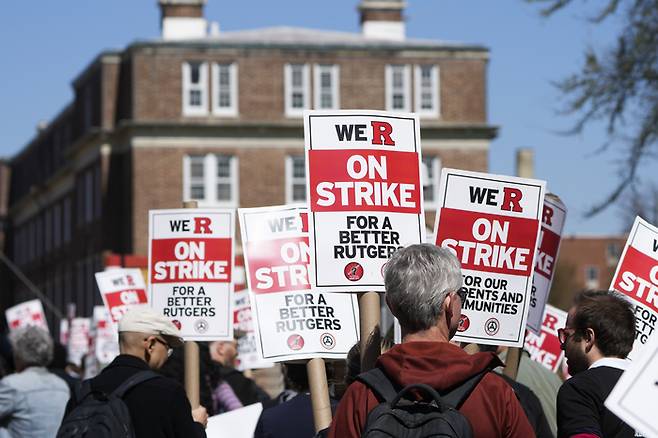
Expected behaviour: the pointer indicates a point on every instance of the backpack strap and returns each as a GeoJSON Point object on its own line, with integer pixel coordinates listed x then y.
{"type": "Point", "coordinates": [457, 396]}
{"type": "Point", "coordinates": [82, 390]}
{"type": "Point", "coordinates": [379, 383]}
{"type": "Point", "coordinates": [134, 380]}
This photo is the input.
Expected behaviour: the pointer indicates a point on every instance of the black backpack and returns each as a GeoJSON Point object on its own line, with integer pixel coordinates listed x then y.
{"type": "Point", "coordinates": [97, 415]}
{"type": "Point", "coordinates": [435, 416]}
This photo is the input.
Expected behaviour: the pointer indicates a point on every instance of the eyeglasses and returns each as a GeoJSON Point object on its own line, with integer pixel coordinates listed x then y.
{"type": "Point", "coordinates": [565, 333]}
{"type": "Point", "coordinates": [167, 346]}
{"type": "Point", "coordinates": [463, 294]}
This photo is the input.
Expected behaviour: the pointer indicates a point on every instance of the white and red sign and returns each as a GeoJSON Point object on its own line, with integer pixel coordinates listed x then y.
{"type": "Point", "coordinates": [28, 313]}
{"type": "Point", "coordinates": [79, 339]}
{"type": "Point", "coordinates": [491, 223]}
{"type": "Point", "coordinates": [633, 398]}
{"type": "Point", "coordinates": [105, 337]}
{"type": "Point", "coordinates": [190, 270]}
{"type": "Point", "coordinates": [365, 195]}
{"type": "Point", "coordinates": [545, 347]}
{"type": "Point", "coordinates": [637, 278]}
{"type": "Point", "coordinates": [248, 356]}
{"type": "Point", "coordinates": [121, 289]}
{"type": "Point", "coordinates": [291, 320]}
{"type": "Point", "coordinates": [552, 223]}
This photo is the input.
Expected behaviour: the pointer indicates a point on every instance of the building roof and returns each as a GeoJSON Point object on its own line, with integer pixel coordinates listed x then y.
{"type": "Point", "coordinates": [313, 38]}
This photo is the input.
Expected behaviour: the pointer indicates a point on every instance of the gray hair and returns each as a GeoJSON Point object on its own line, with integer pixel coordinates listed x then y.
{"type": "Point", "coordinates": [32, 346]}
{"type": "Point", "coordinates": [418, 278]}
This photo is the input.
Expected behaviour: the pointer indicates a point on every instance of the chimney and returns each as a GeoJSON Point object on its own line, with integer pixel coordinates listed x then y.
{"type": "Point", "coordinates": [182, 19]}
{"type": "Point", "coordinates": [525, 163]}
{"type": "Point", "coordinates": [383, 19]}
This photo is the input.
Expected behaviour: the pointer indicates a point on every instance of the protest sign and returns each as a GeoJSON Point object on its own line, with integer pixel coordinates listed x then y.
{"type": "Point", "coordinates": [637, 278]}
{"type": "Point", "coordinates": [78, 345]}
{"type": "Point", "coordinates": [190, 270]}
{"type": "Point", "coordinates": [633, 398]}
{"type": "Point", "coordinates": [28, 313]}
{"type": "Point", "coordinates": [248, 356]}
{"type": "Point", "coordinates": [291, 321]}
{"type": "Point", "coordinates": [552, 223]}
{"type": "Point", "coordinates": [64, 331]}
{"type": "Point", "coordinates": [491, 223]}
{"type": "Point", "coordinates": [121, 289]}
{"type": "Point", "coordinates": [365, 195]}
{"type": "Point", "coordinates": [241, 422]}
{"type": "Point", "coordinates": [105, 339]}
{"type": "Point", "coordinates": [545, 347]}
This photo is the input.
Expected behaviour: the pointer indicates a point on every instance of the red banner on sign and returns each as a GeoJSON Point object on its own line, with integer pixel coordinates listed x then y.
{"type": "Point", "coordinates": [488, 242]}
{"type": "Point", "coordinates": [191, 260]}
{"type": "Point", "coordinates": [364, 180]}
{"type": "Point", "coordinates": [545, 263]}
{"type": "Point", "coordinates": [638, 278]}
{"type": "Point", "coordinates": [278, 265]}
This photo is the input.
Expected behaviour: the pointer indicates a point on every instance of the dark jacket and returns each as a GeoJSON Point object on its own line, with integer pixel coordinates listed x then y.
{"type": "Point", "coordinates": [158, 407]}
{"type": "Point", "coordinates": [580, 408]}
{"type": "Point", "coordinates": [532, 408]}
{"type": "Point", "coordinates": [492, 408]}
{"type": "Point", "coordinates": [290, 419]}
{"type": "Point", "coordinates": [245, 388]}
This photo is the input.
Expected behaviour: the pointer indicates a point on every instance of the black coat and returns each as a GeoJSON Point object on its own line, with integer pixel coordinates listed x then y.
{"type": "Point", "coordinates": [158, 408]}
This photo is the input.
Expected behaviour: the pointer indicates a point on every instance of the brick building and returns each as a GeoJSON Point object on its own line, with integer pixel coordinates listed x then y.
{"type": "Point", "coordinates": [216, 116]}
{"type": "Point", "coordinates": [584, 262]}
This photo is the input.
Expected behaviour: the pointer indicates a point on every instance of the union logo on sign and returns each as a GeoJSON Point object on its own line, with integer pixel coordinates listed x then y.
{"type": "Point", "coordinates": [353, 271]}
{"type": "Point", "coordinates": [464, 323]}
{"type": "Point", "coordinates": [295, 342]}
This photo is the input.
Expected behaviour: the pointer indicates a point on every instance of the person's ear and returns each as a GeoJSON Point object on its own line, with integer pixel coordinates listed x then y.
{"type": "Point", "coordinates": [590, 338]}
{"type": "Point", "coordinates": [149, 343]}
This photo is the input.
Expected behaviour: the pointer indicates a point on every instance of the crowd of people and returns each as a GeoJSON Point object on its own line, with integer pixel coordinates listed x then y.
{"type": "Point", "coordinates": [425, 385]}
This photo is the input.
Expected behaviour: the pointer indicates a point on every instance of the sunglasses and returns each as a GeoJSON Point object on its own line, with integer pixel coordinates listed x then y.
{"type": "Point", "coordinates": [565, 333]}
{"type": "Point", "coordinates": [463, 294]}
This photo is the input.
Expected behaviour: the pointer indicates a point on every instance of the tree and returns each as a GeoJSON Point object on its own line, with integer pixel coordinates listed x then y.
{"type": "Point", "coordinates": [619, 86]}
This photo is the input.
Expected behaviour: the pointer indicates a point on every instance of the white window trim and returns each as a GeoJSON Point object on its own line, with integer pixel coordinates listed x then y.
{"type": "Point", "coordinates": [203, 86]}
{"type": "Point", "coordinates": [335, 85]}
{"type": "Point", "coordinates": [407, 88]}
{"type": "Point", "coordinates": [210, 182]}
{"type": "Point", "coordinates": [290, 180]}
{"type": "Point", "coordinates": [436, 172]}
{"type": "Point", "coordinates": [435, 111]}
{"type": "Point", "coordinates": [231, 111]}
{"type": "Point", "coordinates": [306, 89]}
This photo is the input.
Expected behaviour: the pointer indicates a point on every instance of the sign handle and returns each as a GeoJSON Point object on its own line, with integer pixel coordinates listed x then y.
{"type": "Point", "coordinates": [317, 379]}
{"type": "Point", "coordinates": [369, 316]}
{"type": "Point", "coordinates": [512, 362]}
{"type": "Point", "coordinates": [192, 356]}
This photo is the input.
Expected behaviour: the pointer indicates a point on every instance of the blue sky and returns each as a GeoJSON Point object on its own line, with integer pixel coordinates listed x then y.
{"type": "Point", "coordinates": [46, 43]}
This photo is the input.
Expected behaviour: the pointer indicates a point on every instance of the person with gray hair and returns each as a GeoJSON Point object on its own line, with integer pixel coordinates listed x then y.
{"type": "Point", "coordinates": [423, 291]}
{"type": "Point", "coordinates": [32, 400]}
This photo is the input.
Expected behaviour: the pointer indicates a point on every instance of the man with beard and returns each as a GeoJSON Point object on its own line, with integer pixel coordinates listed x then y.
{"type": "Point", "coordinates": [598, 336]}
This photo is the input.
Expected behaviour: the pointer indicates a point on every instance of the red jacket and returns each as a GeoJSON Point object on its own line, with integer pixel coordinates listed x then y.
{"type": "Point", "coordinates": [492, 408]}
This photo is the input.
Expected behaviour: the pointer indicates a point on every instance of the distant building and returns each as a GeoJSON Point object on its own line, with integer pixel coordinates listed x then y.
{"type": "Point", "coordinates": [216, 117]}
{"type": "Point", "coordinates": [584, 262]}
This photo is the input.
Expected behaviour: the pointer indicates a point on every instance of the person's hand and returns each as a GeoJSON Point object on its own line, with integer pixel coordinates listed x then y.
{"type": "Point", "coordinates": [200, 415]}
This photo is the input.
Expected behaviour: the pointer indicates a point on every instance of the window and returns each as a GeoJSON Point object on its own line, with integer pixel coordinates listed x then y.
{"type": "Point", "coordinates": [326, 85]}
{"type": "Point", "coordinates": [296, 79]}
{"type": "Point", "coordinates": [398, 88]}
{"type": "Point", "coordinates": [195, 89]}
{"type": "Point", "coordinates": [295, 179]}
{"type": "Point", "coordinates": [211, 179]}
{"type": "Point", "coordinates": [426, 88]}
{"type": "Point", "coordinates": [591, 277]}
{"type": "Point", "coordinates": [431, 172]}
{"type": "Point", "coordinates": [225, 89]}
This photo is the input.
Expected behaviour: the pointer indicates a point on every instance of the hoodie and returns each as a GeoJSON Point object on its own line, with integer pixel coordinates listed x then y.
{"type": "Point", "coordinates": [492, 408]}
